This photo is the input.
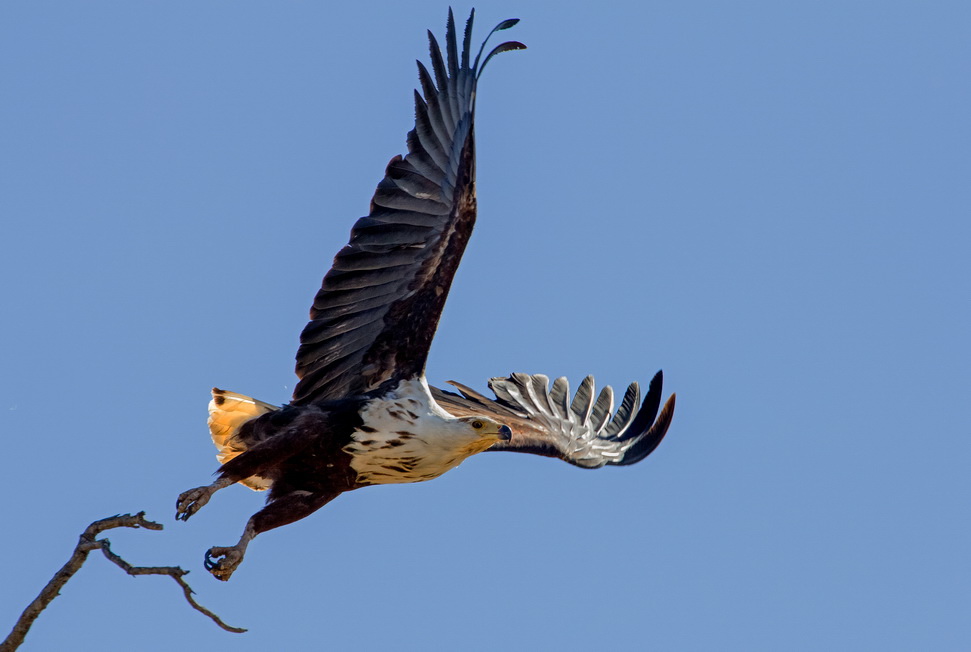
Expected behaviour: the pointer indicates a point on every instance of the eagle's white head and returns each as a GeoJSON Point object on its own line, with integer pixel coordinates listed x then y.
{"type": "Point", "coordinates": [482, 433]}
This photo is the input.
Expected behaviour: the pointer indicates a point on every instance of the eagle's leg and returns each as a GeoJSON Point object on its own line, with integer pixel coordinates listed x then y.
{"type": "Point", "coordinates": [192, 501]}
{"type": "Point", "coordinates": [222, 561]}
{"type": "Point", "coordinates": [264, 455]}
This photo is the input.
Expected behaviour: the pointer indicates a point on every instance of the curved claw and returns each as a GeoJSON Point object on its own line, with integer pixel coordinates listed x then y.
{"type": "Point", "coordinates": [208, 562]}
{"type": "Point", "coordinates": [222, 569]}
{"type": "Point", "coordinates": [191, 501]}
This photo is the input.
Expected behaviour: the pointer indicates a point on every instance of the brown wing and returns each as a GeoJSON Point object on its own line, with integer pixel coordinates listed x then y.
{"type": "Point", "coordinates": [378, 307]}
{"type": "Point", "coordinates": [583, 432]}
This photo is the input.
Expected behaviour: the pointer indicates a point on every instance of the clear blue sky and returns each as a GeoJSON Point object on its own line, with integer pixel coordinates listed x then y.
{"type": "Point", "coordinates": [770, 201]}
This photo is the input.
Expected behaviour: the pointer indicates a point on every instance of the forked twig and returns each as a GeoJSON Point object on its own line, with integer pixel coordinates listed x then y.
{"type": "Point", "coordinates": [86, 544]}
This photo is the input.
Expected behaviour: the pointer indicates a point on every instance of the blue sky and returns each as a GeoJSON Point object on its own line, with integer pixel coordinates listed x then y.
{"type": "Point", "coordinates": [769, 201]}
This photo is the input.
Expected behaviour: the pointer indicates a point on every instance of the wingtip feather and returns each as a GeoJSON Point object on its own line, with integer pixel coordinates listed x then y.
{"type": "Point", "coordinates": [652, 438]}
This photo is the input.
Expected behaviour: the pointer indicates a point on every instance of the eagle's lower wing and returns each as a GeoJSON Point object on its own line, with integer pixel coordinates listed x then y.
{"type": "Point", "coordinates": [378, 307]}
{"type": "Point", "coordinates": [584, 431]}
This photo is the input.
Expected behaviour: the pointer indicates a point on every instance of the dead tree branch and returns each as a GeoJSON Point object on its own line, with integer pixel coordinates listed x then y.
{"type": "Point", "coordinates": [86, 544]}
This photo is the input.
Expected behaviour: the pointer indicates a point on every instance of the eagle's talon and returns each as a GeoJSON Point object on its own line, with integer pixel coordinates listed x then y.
{"type": "Point", "coordinates": [191, 501]}
{"type": "Point", "coordinates": [223, 568]}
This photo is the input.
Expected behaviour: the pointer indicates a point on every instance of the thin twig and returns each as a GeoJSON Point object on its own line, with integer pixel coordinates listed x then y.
{"type": "Point", "coordinates": [86, 544]}
{"type": "Point", "coordinates": [175, 573]}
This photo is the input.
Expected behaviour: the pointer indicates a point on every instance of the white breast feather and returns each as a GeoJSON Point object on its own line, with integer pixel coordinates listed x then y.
{"type": "Point", "coordinates": [407, 437]}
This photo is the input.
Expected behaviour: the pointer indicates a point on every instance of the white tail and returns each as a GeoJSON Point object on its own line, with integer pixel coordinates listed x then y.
{"type": "Point", "coordinates": [228, 411]}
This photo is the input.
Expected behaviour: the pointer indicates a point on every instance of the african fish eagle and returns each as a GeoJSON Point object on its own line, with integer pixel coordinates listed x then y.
{"type": "Point", "coordinates": [362, 413]}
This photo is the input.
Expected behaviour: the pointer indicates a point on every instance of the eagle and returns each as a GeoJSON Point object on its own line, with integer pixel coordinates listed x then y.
{"type": "Point", "coordinates": [362, 412]}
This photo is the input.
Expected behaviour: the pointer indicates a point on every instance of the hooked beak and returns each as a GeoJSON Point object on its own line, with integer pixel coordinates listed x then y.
{"type": "Point", "coordinates": [505, 434]}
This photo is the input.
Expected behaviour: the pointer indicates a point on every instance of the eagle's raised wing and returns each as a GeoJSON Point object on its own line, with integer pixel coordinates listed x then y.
{"type": "Point", "coordinates": [379, 305]}
{"type": "Point", "coordinates": [585, 431]}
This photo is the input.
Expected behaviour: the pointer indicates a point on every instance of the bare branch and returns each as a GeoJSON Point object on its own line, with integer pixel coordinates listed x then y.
{"type": "Point", "coordinates": [175, 573]}
{"type": "Point", "coordinates": [86, 544]}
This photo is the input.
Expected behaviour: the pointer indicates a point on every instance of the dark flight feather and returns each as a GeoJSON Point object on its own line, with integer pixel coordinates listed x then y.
{"type": "Point", "coordinates": [378, 307]}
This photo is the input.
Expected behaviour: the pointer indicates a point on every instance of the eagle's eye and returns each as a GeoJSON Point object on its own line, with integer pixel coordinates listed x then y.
{"type": "Point", "coordinates": [477, 424]}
